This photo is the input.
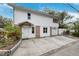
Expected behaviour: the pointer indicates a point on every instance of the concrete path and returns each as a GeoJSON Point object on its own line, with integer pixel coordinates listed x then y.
{"type": "Point", "coordinates": [36, 47]}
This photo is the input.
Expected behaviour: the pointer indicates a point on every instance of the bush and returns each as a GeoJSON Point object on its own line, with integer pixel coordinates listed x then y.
{"type": "Point", "coordinates": [12, 31]}
{"type": "Point", "coordinates": [11, 35]}
{"type": "Point", "coordinates": [75, 34]}
{"type": "Point", "coordinates": [6, 42]}
{"type": "Point", "coordinates": [66, 32]}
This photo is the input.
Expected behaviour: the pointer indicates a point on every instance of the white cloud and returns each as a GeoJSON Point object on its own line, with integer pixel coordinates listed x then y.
{"type": "Point", "coordinates": [75, 16]}
{"type": "Point", "coordinates": [76, 4]}
{"type": "Point", "coordinates": [5, 5]}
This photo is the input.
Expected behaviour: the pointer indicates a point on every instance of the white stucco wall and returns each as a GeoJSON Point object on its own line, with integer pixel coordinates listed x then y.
{"type": "Point", "coordinates": [54, 31]}
{"type": "Point", "coordinates": [21, 16]}
{"type": "Point", "coordinates": [38, 20]}
{"type": "Point", "coordinates": [44, 34]}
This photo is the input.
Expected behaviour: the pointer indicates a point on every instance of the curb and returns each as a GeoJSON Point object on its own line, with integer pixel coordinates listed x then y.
{"type": "Point", "coordinates": [12, 50]}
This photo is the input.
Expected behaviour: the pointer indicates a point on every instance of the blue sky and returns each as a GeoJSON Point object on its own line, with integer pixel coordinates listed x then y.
{"type": "Point", "coordinates": [53, 6]}
{"type": "Point", "coordinates": [7, 11]}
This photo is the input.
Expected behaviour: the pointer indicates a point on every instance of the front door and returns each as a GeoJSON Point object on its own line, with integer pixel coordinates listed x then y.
{"type": "Point", "coordinates": [25, 32]}
{"type": "Point", "coordinates": [37, 31]}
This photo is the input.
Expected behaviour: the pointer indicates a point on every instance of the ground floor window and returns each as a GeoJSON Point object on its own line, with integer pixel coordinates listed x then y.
{"type": "Point", "coordinates": [45, 30]}
{"type": "Point", "coordinates": [32, 29]}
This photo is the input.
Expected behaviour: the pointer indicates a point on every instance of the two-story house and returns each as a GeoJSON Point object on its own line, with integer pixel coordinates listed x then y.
{"type": "Point", "coordinates": [34, 23]}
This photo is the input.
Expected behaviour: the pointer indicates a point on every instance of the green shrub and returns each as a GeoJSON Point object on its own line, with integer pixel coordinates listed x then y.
{"type": "Point", "coordinates": [6, 42]}
{"type": "Point", "coordinates": [66, 32]}
{"type": "Point", "coordinates": [75, 34]}
{"type": "Point", "coordinates": [13, 32]}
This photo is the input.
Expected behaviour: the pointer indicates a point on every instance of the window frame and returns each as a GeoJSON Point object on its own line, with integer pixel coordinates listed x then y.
{"type": "Point", "coordinates": [33, 30]}
{"type": "Point", "coordinates": [29, 15]}
{"type": "Point", "coordinates": [45, 29]}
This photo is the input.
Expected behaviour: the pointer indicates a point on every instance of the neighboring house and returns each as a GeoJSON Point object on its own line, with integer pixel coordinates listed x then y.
{"type": "Point", "coordinates": [34, 23]}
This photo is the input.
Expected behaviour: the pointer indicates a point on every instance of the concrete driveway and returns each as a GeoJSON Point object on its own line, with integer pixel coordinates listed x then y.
{"type": "Point", "coordinates": [36, 47]}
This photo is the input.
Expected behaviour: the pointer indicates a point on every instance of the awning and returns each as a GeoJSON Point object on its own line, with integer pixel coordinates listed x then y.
{"type": "Point", "coordinates": [25, 23]}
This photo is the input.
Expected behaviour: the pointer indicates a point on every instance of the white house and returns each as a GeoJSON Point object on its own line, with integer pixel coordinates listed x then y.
{"type": "Point", "coordinates": [34, 23]}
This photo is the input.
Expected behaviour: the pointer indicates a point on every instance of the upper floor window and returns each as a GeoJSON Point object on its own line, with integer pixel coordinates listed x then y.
{"type": "Point", "coordinates": [29, 15]}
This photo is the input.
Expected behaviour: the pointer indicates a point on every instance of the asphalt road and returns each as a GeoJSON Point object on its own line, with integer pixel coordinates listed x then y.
{"type": "Point", "coordinates": [69, 51]}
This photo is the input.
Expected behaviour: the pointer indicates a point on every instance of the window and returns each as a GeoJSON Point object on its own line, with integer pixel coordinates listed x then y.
{"type": "Point", "coordinates": [29, 15]}
{"type": "Point", "coordinates": [44, 30]}
{"type": "Point", "coordinates": [32, 29]}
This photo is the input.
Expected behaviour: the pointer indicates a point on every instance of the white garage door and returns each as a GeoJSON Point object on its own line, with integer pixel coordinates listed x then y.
{"type": "Point", "coordinates": [25, 32]}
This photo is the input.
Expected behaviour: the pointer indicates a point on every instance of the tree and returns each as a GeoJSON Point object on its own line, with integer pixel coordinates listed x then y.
{"type": "Point", "coordinates": [1, 22]}
{"type": "Point", "coordinates": [48, 11]}
{"type": "Point", "coordinates": [60, 17]}
{"type": "Point", "coordinates": [63, 16]}
{"type": "Point", "coordinates": [12, 31]}
{"type": "Point", "coordinates": [76, 28]}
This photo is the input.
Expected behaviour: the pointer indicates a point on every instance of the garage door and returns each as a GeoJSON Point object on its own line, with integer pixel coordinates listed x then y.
{"type": "Point", "coordinates": [25, 32]}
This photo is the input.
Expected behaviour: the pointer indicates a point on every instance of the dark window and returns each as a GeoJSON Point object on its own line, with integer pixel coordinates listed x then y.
{"type": "Point", "coordinates": [44, 30]}
{"type": "Point", "coordinates": [29, 15]}
{"type": "Point", "coordinates": [32, 29]}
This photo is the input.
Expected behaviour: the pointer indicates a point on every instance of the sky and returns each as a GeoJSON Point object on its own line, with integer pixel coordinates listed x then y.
{"type": "Point", "coordinates": [7, 11]}
{"type": "Point", "coordinates": [53, 6]}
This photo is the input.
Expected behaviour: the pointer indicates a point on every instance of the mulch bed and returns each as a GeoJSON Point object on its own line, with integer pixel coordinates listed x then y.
{"type": "Point", "coordinates": [9, 46]}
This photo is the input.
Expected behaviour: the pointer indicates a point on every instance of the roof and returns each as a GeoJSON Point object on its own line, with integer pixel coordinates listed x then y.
{"type": "Point", "coordinates": [30, 10]}
{"type": "Point", "coordinates": [25, 23]}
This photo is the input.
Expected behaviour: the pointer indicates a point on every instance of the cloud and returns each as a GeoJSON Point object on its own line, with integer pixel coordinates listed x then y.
{"type": "Point", "coordinates": [6, 10]}
{"type": "Point", "coordinates": [75, 16]}
{"type": "Point", "coordinates": [5, 5]}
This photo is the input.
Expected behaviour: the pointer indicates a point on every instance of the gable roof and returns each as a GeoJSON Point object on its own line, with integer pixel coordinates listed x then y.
{"type": "Point", "coordinates": [30, 10]}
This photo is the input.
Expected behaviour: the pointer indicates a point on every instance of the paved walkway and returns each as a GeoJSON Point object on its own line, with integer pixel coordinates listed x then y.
{"type": "Point", "coordinates": [36, 47]}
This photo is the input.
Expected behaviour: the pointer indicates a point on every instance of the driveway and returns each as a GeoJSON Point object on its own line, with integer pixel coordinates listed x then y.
{"type": "Point", "coordinates": [36, 47]}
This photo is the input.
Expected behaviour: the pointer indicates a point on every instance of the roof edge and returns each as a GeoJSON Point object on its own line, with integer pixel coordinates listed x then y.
{"type": "Point", "coordinates": [37, 12]}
